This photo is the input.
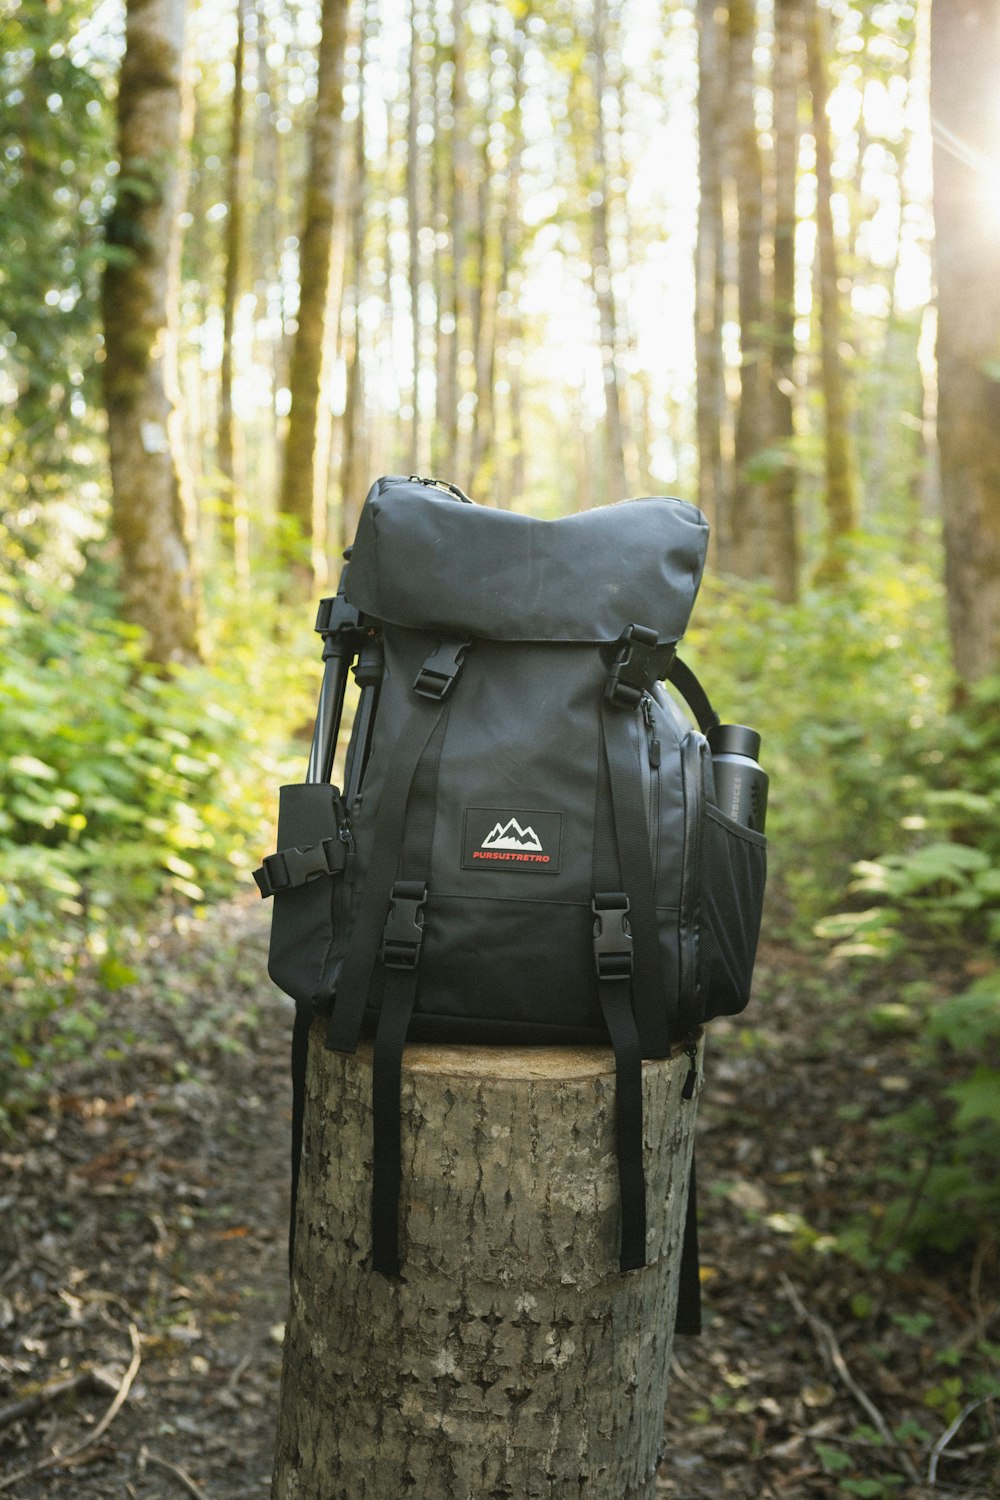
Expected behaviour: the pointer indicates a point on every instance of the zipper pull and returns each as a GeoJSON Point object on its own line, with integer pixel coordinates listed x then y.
{"type": "Point", "coordinates": [652, 742]}
{"type": "Point", "coordinates": [346, 836]}
{"type": "Point", "coordinates": [691, 1052]}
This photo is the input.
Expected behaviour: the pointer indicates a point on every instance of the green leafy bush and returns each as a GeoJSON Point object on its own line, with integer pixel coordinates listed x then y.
{"type": "Point", "coordinates": [847, 688]}
{"type": "Point", "coordinates": [120, 788]}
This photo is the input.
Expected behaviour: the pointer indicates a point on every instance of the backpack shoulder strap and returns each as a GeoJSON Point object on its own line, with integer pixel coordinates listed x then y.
{"type": "Point", "coordinates": [694, 695]}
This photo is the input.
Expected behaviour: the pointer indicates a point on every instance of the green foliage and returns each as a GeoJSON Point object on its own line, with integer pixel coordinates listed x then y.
{"type": "Point", "coordinates": [846, 687]}
{"type": "Point", "coordinates": [118, 789]}
{"type": "Point", "coordinates": [56, 137]}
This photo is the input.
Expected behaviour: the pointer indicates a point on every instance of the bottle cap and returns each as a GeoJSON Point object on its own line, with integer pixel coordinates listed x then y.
{"type": "Point", "coordinates": [734, 739]}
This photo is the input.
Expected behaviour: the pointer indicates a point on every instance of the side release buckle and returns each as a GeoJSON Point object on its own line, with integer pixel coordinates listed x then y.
{"type": "Point", "coordinates": [640, 662]}
{"type": "Point", "coordinates": [403, 935]}
{"type": "Point", "coordinates": [612, 935]}
{"type": "Point", "coordinates": [439, 672]}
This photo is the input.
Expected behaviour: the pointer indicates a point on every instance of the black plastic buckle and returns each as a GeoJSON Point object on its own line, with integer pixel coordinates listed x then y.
{"type": "Point", "coordinates": [403, 935]}
{"type": "Point", "coordinates": [640, 662]}
{"type": "Point", "coordinates": [294, 867]}
{"type": "Point", "coordinates": [612, 935]}
{"type": "Point", "coordinates": [437, 676]}
{"type": "Point", "coordinates": [336, 615]}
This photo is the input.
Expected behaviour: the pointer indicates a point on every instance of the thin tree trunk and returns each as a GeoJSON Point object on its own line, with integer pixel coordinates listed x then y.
{"type": "Point", "coordinates": [413, 207]}
{"type": "Point", "coordinates": [709, 391]}
{"type": "Point", "coordinates": [600, 260]}
{"type": "Point", "coordinates": [750, 553]}
{"type": "Point", "coordinates": [300, 497]}
{"type": "Point", "coordinates": [151, 516]}
{"type": "Point", "coordinates": [784, 549]}
{"type": "Point", "coordinates": [235, 493]}
{"type": "Point", "coordinates": [965, 45]}
{"type": "Point", "coordinates": [352, 484]}
{"type": "Point", "coordinates": [841, 494]}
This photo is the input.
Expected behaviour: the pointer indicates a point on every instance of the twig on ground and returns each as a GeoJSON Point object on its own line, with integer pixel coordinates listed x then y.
{"type": "Point", "coordinates": [826, 1339]}
{"type": "Point", "coordinates": [237, 1374]}
{"type": "Point", "coordinates": [28, 1405]}
{"type": "Point", "coordinates": [174, 1471]}
{"type": "Point", "coordinates": [62, 1460]}
{"type": "Point", "coordinates": [946, 1437]}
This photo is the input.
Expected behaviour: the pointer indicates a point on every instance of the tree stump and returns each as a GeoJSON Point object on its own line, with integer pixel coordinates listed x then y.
{"type": "Point", "coordinates": [514, 1359]}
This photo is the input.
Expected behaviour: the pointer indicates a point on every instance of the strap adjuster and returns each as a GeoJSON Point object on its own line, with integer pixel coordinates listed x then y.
{"type": "Point", "coordinates": [437, 676]}
{"type": "Point", "coordinates": [612, 935]}
{"type": "Point", "coordinates": [403, 935]}
{"type": "Point", "coordinates": [289, 868]}
{"type": "Point", "coordinates": [640, 662]}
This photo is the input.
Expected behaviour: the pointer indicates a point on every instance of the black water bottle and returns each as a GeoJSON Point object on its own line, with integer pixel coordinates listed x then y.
{"type": "Point", "coordinates": [740, 784]}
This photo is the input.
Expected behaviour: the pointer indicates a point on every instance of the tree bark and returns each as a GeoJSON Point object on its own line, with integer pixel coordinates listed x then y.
{"type": "Point", "coordinates": [413, 218]}
{"type": "Point", "coordinates": [709, 392]}
{"type": "Point", "coordinates": [750, 533]}
{"type": "Point", "coordinates": [600, 261]}
{"type": "Point", "coordinates": [226, 444]}
{"type": "Point", "coordinates": [841, 495]}
{"type": "Point", "coordinates": [151, 517]}
{"type": "Point", "coordinates": [300, 498]}
{"type": "Point", "coordinates": [513, 1358]}
{"type": "Point", "coordinates": [965, 46]}
{"type": "Point", "coordinates": [782, 523]}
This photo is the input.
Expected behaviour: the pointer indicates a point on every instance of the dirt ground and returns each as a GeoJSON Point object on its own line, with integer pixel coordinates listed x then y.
{"type": "Point", "coordinates": [143, 1262]}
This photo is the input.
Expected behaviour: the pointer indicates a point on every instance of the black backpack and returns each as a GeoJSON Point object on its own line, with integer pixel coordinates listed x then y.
{"type": "Point", "coordinates": [529, 846]}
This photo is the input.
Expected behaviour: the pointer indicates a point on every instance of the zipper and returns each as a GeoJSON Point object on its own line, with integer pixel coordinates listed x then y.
{"type": "Point", "coordinates": [650, 766]}
{"type": "Point", "coordinates": [689, 1001]}
{"type": "Point", "coordinates": [440, 484]}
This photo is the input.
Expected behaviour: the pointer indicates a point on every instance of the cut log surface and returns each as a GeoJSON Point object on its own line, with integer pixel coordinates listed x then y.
{"type": "Point", "coordinates": [513, 1359]}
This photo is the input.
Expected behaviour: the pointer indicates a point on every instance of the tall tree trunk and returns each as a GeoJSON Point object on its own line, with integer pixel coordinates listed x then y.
{"type": "Point", "coordinates": [841, 494]}
{"type": "Point", "coordinates": [750, 550]}
{"type": "Point", "coordinates": [413, 207]}
{"type": "Point", "coordinates": [352, 482]}
{"type": "Point", "coordinates": [235, 493]}
{"type": "Point", "coordinates": [600, 260]}
{"type": "Point", "coordinates": [965, 49]}
{"type": "Point", "coordinates": [300, 496]}
{"type": "Point", "coordinates": [709, 391]}
{"type": "Point", "coordinates": [782, 526]}
{"type": "Point", "coordinates": [151, 517]}
{"type": "Point", "coordinates": [457, 290]}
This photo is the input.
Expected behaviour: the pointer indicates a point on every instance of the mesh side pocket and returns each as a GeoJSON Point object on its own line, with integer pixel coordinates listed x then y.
{"type": "Point", "coordinates": [734, 869]}
{"type": "Point", "coordinates": [302, 923]}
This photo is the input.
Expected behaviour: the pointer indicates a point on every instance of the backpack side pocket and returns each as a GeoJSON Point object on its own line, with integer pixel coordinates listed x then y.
{"type": "Point", "coordinates": [310, 817]}
{"type": "Point", "coordinates": [734, 871]}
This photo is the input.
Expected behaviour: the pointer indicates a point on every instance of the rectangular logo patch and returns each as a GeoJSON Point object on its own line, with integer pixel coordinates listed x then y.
{"type": "Point", "coordinates": [498, 839]}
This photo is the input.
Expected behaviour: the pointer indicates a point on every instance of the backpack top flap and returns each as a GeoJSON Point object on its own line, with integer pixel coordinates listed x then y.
{"type": "Point", "coordinates": [426, 561]}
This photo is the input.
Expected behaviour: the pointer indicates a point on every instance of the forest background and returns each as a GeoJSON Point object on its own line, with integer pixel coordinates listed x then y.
{"type": "Point", "coordinates": [253, 255]}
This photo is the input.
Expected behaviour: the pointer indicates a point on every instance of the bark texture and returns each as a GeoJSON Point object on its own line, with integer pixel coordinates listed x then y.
{"type": "Point", "coordinates": [841, 490]}
{"type": "Point", "coordinates": [151, 514]}
{"type": "Point", "coordinates": [300, 497]}
{"type": "Point", "coordinates": [709, 393]}
{"type": "Point", "coordinates": [965, 44]}
{"type": "Point", "coordinates": [513, 1359]}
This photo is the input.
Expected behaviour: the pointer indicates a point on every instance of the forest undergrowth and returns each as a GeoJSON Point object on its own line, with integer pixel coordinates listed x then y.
{"type": "Point", "coordinates": [142, 1246]}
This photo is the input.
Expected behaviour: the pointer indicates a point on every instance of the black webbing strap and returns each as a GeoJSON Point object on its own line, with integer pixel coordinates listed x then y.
{"type": "Point", "coordinates": [688, 1316]}
{"type": "Point", "coordinates": [300, 1054]}
{"type": "Point", "coordinates": [654, 1012]}
{"type": "Point", "coordinates": [348, 1011]}
{"type": "Point", "coordinates": [399, 977]}
{"type": "Point", "coordinates": [693, 694]}
{"type": "Point", "coordinates": [613, 956]}
{"type": "Point", "coordinates": [398, 995]}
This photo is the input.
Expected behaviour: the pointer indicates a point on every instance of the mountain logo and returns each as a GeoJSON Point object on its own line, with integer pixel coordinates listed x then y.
{"type": "Point", "coordinates": [525, 842]}
{"type": "Point", "coordinates": [512, 836]}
